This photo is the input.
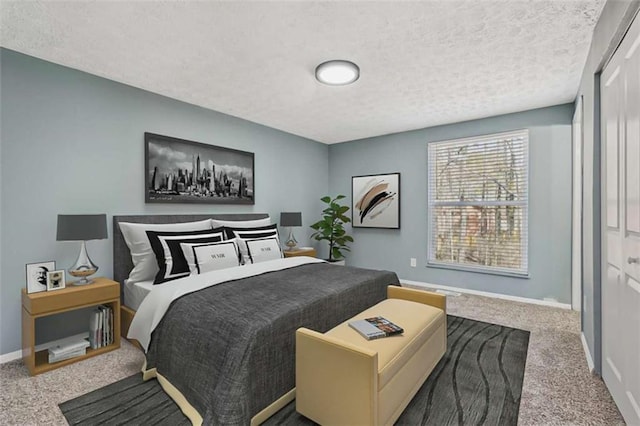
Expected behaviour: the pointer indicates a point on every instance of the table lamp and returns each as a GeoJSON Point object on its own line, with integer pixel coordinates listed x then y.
{"type": "Point", "coordinates": [291, 219]}
{"type": "Point", "coordinates": [82, 227]}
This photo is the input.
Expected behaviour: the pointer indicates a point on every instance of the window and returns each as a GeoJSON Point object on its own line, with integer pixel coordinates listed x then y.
{"type": "Point", "coordinates": [478, 203]}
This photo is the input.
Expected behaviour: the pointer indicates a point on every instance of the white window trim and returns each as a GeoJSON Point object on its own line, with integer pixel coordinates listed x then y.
{"type": "Point", "coordinates": [431, 204]}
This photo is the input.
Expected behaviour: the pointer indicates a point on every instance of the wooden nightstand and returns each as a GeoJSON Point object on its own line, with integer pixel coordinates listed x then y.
{"type": "Point", "coordinates": [102, 291]}
{"type": "Point", "coordinates": [307, 251]}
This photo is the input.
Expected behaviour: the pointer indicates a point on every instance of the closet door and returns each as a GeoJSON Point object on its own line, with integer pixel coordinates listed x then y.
{"type": "Point", "coordinates": [621, 225]}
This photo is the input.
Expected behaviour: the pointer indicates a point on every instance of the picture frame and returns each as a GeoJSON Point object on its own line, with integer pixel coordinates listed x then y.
{"type": "Point", "coordinates": [375, 201]}
{"type": "Point", "coordinates": [183, 171]}
{"type": "Point", "coordinates": [56, 280]}
{"type": "Point", "coordinates": [36, 275]}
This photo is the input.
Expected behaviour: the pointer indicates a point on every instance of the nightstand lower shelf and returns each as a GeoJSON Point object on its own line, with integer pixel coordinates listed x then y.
{"type": "Point", "coordinates": [42, 364]}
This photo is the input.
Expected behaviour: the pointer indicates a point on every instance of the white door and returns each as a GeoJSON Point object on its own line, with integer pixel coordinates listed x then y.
{"type": "Point", "coordinates": [620, 90]}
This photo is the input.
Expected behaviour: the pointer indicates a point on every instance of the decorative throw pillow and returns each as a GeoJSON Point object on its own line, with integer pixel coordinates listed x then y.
{"type": "Point", "coordinates": [242, 235]}
{"type": "Point", "coordinates": [263, 249]}
{"type": "Point", "coordinates": [214, 256]}
{"type": "Point", "coordinates": [189, 254]}
{"type": "Point", "coordinates": [145, 266]}
{"type": "Point", "coordinates": [171, 261]}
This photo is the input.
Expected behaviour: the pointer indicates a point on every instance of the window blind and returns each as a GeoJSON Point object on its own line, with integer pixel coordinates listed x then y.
{"type": "Point", "coordinates": [478, 202]}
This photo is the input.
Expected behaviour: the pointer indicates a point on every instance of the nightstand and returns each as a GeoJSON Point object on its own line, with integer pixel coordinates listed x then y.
{"type": "Point", "coordinates": [306, 251]}
{"type": "Point", "coordinates": [102, 291]}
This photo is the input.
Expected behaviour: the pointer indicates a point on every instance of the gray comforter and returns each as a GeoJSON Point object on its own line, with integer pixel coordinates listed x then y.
{"type": "Point", "coordinates": [230, 348]}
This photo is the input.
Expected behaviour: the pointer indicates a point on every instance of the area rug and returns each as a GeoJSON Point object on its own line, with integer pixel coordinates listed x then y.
{"type": "Point", "coordinates": [478, 381]}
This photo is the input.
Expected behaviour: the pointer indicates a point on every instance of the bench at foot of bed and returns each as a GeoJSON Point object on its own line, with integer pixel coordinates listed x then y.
{"type": "Point", "coordinates": [342, 378]}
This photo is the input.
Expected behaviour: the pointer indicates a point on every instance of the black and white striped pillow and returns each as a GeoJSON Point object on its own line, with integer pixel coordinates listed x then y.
{"type": "Point", "coordinates": [166, 246]}
{"type": "Point", "coordinates": [243, 234]}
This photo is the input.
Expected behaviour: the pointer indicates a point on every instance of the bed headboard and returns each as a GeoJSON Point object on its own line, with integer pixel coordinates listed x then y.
{"type": "Point", "coordinates": [122, 264]}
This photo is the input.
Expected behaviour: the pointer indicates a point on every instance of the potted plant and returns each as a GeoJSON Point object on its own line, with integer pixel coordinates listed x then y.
{"type": "Point", "coordinates": [331, 228]}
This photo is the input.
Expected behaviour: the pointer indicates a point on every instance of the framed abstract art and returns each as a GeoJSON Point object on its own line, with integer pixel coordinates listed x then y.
{"type": "Point", "coordinates": [376, 201]}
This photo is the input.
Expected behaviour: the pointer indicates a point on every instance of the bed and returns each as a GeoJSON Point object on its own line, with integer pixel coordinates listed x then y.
{"type": "Point", "coordinates": [224, 350]}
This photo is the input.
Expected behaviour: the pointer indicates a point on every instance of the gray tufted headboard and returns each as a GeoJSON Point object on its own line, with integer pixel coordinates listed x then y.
{"type": "Point", "coordinates": [122, 264]}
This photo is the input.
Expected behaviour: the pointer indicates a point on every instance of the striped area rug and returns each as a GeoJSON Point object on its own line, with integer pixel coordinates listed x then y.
{"type": "Point", "coordinates": [478, 381]}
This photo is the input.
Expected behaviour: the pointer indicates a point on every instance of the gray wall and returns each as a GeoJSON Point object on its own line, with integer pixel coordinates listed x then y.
{"type": "Point", "coordinates": [73, 143]}
{"type": "Point", "coordinates": [550, 202]}
{"type": "Point", "coordinates": [614, 20]}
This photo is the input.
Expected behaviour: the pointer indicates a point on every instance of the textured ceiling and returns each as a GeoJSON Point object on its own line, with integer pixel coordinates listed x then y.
{"type": "Point", "coordinates": [422, 63]}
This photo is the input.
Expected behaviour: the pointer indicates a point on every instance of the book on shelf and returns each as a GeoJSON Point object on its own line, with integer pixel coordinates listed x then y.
{"type": "Point", "coordinates": [66, 342]}
{"type": "Point", "coordinates": [69, 346]}
{"type": "Point", "coordinates": [93, 329]}
{"type": "Point", "coordinates": [101, 327]}
{"type": "Point", "coordinates": [67, 355]}
{"type": "Point", "coordinates": [375, 328]}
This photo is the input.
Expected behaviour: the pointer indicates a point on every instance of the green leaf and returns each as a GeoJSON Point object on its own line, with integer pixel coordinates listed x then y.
{"type": "Point", "coordinates": [340, 197]}
{"type": "Point", "coordinates": [344, 218]}
{"type": "Point", "coordinates": [326, 199]}
{"type": "Point", "coordinates": [336, 253]}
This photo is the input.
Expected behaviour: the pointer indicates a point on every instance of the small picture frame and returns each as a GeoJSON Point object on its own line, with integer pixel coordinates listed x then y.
{"type": "Point", "coordinates": [36, 274]}
{"type": "Point", "coordinates": [56, 280]}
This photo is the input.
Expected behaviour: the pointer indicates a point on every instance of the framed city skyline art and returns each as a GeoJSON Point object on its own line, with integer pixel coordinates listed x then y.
{"type": "Point", "coordinates": [183, 171]}
{"type": "Point", "coordinates": [376, 201]}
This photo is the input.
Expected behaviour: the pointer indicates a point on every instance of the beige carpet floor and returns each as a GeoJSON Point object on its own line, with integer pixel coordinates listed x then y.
{"type": "Point", "coordinates": [558, 387]}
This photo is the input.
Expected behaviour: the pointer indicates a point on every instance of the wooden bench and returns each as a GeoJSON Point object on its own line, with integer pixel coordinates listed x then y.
{"type": "Point", "coordinates": [342, 378]}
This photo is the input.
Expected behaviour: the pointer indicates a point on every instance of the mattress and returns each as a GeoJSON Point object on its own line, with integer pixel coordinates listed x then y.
{"type": "Point", "coordinates": [135, 292]}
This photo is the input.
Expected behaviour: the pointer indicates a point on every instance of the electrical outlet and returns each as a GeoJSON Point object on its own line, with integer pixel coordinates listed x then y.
{"type": "Point", "coordinates": [414, 262]}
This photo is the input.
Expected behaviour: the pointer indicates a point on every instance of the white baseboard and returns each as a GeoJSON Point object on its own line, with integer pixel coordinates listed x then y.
{"type": "Point", "coordinates": [11, 356]}
{"type": "Point", "coordinates": [587, 353]}
{"type": "Point", "coordinates": [488, 294]}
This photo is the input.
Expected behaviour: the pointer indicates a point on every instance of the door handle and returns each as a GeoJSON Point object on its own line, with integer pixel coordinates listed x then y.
{"type": "Point", "coordinates": [633, 260]}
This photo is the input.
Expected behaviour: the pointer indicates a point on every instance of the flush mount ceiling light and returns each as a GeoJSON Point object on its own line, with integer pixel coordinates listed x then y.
{"type": "Point", "coordinates": [337, 73]}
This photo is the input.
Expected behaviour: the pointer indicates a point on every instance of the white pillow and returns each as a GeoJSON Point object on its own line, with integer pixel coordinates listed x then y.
{"type": "Point", "coordinates": [190, 257]}
{"type": "Point", "coordinates": [214, 256]}
{"type": "Point", "coordinates": [145, 266]}
{"type": "Point", "coordinates": [244, 234]}
{"type": "Point", "coordinates": [215, 223]}
{"type": "Point", "coordinates": [263, 249]}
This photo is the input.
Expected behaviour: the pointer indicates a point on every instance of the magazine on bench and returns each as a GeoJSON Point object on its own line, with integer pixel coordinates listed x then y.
{"type": "Point", "coordinates": [375, 328]}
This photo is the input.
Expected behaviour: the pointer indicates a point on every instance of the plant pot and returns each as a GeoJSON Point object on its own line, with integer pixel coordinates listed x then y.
{"type": "Point", "coordinates": [340, 262]}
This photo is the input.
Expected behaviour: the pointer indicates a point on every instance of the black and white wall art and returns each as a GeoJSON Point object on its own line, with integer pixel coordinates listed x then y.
{"type": "Point", "coordinates": [182, 171]}
{"type": "Point", "coordinates": [376, 201]}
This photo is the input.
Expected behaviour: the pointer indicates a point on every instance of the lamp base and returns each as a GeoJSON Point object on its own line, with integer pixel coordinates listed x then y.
{"type": "Point", "coordinates": [83, 281]}
{"type": "Point", "coordinates": [83, 267]}
{"type": "Point", "coordinates": [292, 243]}
{"type": "Point", "coordinates": [83, 275]}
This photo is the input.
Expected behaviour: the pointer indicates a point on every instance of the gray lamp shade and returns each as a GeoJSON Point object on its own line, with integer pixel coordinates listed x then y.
{"type": "Point", "coordinates": [82, 227]}
{"type": "Point", "coordinates": [290, 219]}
